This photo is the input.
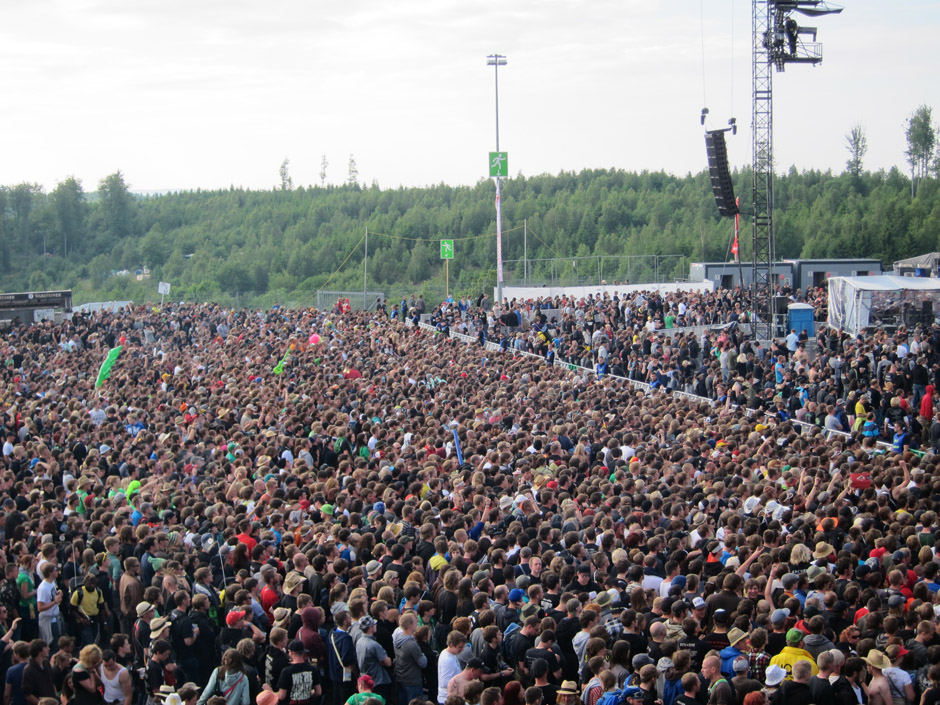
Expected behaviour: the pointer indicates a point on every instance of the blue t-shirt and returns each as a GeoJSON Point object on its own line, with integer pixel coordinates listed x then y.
{"type": "Point", "coordinates": [15, 681]}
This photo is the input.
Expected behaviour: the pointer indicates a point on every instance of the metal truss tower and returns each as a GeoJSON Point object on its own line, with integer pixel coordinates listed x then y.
{"type": "Point", "coordinates": [777, 40]}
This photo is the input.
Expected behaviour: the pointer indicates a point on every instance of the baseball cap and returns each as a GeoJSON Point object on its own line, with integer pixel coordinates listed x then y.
{"type": "Point", "coordinates": [233, 617]}
{"type": "Point", "coordinates": [366, 622]}
{"type": "Point", "coordinates": [516, 595]}
{"type": "Point", "coordinates": [641, 660]}
{"type": "Point", "coordinates": [794, 636]}
{"type": "Point", "coordinates": [779, 616]}
{"type": "Point", "coordinates": [475, 662]}
{"type": "Point", "coordinates": [698, 603]}
{"type": "Point", "coordinates": [296, 646]}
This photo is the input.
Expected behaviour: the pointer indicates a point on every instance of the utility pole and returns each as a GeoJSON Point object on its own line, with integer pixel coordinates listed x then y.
{"type": "Point", "coordinates": [497, 60]}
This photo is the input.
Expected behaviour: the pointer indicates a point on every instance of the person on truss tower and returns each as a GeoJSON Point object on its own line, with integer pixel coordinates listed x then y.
{"type": "Point", "coordinates": [792, 32]}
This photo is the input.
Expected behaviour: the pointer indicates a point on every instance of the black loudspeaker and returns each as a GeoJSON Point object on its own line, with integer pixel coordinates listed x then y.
{"type": "Point", "coordinates": [781, 304]}
{"type": "Point", "coordinates": [720, 175]}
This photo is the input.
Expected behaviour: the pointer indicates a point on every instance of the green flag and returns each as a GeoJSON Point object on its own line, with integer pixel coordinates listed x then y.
{"type": "Point", "coordinates": [106, 366]}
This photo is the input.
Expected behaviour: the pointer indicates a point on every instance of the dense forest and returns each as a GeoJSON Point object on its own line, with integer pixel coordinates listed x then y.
{"type": "Point", "coordinates": [252, 247]}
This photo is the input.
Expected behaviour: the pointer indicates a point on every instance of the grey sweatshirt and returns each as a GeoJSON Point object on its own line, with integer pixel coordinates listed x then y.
{"type": "Point", "coordinates": [409, 661]}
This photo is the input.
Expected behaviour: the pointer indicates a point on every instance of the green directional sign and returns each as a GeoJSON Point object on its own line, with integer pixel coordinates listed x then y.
{"type": "Point", "coordinates": [447, 249]}
{"type": "Point", "coordinates": [499, 164]}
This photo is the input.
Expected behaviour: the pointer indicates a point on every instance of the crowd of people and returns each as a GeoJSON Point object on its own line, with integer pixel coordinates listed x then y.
{"type": "Point", "coordinates": [297, 507]}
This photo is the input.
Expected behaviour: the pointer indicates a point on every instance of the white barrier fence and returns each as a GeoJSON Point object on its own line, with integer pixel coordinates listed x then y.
{"type": "Point", "coordinates": [490, 346]}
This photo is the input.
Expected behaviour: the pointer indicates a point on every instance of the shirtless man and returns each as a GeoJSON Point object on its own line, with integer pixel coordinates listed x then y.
{"type": "Point", "coordinates": [879, 692]}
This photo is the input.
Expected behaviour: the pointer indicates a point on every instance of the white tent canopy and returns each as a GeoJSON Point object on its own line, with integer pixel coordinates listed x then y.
{"type": "Point", "coordinates": [856, 303]}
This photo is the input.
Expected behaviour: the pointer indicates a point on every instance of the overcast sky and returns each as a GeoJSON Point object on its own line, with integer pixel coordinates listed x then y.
{"type": "Point", "coordinates": [185, 94]}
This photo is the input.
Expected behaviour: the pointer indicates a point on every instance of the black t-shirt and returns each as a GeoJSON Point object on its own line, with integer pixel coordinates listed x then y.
{"type": "Point", "coordinates": [299, 680]}
{"type": "Point", "coordinates": [518, 646]}
{"type": "Point", "coordinates": [182, 629]}
{"type": "Point", "coordinates": [155, 676]}
{"type": "Point", "coordinates": [82, 695]}
{"type": "Point", "coordinates": [275, 661]}
{"type": "Point", "coordinates": [490, 658]}
{"type": "Point", "coordinates": [550, 657]}
{"type": "Point", "coordinates": [140, 640]}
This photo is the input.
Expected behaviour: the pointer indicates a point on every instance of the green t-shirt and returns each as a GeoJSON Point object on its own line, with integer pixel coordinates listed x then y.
{"type": "Point", "coordinates": [360, 698]}
{"type": "Point", "coordinates": [27, 607]}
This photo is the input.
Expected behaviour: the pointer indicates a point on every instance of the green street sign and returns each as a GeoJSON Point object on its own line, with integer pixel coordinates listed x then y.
{"type": "Point", "coordinates": [499, 164]}
{"type": "Point", "coordinates": [447, 249]}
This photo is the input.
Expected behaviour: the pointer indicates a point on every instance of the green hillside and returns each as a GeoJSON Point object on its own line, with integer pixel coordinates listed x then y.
{"type": "Point", "coordinates": [251, 247]}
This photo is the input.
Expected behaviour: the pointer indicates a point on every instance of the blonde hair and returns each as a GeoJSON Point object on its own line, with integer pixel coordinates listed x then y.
{"type": "Point", "coordinates": [90, 656]}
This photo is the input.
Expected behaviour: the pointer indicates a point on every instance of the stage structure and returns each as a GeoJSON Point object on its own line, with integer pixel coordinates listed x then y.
{"type": "Point", "coordinates": [884, 302]}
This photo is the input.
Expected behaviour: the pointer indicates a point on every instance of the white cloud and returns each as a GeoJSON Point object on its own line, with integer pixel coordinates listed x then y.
{"type": "Point", "coordinates": [208, 93]}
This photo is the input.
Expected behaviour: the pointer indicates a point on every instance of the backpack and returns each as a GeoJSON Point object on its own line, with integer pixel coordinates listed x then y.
{"type": "Point", "coordinates": [338, 445]}
{"type": "Point", "coordinates": [507, 642]}
{"type": "Point", "coordinates": [613, 697]}
{"type": "Point", "coordinates": [672, 689]}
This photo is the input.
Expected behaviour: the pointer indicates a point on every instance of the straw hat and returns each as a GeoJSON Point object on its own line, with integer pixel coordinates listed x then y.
{"type": "Point", "coordinates": [568, 688]}
{"type": "Point", "coordinates": [736, 635]}
{"type": "Point", "coordinates": [292, 582]}
{"type": "Point", "coordinates": [158, 626]}
{"type": "Point", "coordinates": [878, 660]}
{"type": "Point", "coordinates": [823, 550]}
{"type": "Point", "coordinates": [282, 617]}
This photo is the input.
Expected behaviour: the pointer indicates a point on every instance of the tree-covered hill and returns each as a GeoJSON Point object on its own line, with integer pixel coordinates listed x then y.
{"type": "Point", "coordinates": [254, 246]}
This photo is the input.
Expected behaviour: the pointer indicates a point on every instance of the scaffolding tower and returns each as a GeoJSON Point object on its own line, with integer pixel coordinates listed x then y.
{"type": "Point", "coordinates": [777, 40]}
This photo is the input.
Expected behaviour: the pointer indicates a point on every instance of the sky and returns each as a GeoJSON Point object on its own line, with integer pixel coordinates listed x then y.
{"type": "Point", "coordinates": [186, 94]}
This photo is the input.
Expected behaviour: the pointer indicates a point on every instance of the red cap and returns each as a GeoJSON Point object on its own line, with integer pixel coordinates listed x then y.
{"type": "Point", "coordinates": [233, 617]}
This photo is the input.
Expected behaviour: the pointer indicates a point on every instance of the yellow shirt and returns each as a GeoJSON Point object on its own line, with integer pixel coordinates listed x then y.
{"type": "Point", "coordinates": [790, 655]}
{"type": "Point", "coordinates": [89, 602]}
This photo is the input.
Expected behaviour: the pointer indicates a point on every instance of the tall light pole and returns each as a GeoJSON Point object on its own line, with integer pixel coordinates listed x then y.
{"type": "Point", "coordinates": [497, 60]}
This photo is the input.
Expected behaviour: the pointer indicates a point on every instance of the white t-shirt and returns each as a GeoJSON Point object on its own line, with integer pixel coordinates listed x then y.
{"type": "Point", "coordinates": [448, 666]}
{"type": "Point", "coordinates": [46, 593]}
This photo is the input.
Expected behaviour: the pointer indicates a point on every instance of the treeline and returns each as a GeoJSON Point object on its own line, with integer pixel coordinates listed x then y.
{"type": "Point", "coordinates": [286, 244]}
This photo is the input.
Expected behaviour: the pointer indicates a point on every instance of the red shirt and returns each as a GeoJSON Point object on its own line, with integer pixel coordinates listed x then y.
{"type": "Point", "coordinates": [269, 599]}
{"type": "Point", "coordinates": [248, 541]}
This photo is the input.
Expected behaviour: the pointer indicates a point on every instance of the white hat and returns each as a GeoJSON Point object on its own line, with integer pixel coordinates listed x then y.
{"type": "Point", "coordinates": [774, 675]}
{"type": "Point", "coordinates": [750, 504]}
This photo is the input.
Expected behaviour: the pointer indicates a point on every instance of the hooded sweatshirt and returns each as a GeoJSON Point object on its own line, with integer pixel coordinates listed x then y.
{"type": "Point", "coordinates": [728, 655]}
{"type": "Point", "coordinates": [409, 661]}
{"type": "Point", "coordinates": [926, 403]}
{"type": "Point", "coordinates": [234, 687]}
{"type": "Point", "coordinates": [309, 634]}
{"type": "Point", "coordinates": [815, 644]}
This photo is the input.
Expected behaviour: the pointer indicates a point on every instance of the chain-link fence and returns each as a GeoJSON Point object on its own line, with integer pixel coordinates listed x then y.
{"type": "Point", "coordinates": [358, 300]}
{"type": "Point", "coordinates": [595, 270]}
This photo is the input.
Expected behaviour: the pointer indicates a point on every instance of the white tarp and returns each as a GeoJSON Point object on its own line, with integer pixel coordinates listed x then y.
{"type": "Point", "coordinates": [852, 299]}
{"type": "Point", "coordinates": [928, 262]}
